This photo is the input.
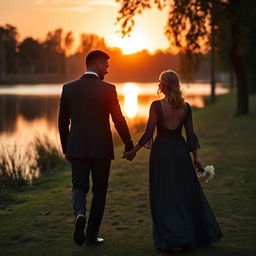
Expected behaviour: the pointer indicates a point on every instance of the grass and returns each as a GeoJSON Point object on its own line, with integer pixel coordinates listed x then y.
{"type": "Point", "coordinates": [20, 168]}
{"type": "Point", "coordinates": [42, 223]}
{"type": "Point", "coordinates": [48, 156]}
{"type": "Point", "coordinates": [15, 174]}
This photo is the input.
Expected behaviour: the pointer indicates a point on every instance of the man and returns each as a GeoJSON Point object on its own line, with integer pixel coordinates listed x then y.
{"type": "Point", "coordinates": [87, 144]}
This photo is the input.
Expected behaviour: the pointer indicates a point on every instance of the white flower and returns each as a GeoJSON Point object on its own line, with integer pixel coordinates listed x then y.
{"type": "Point", "coordinates": [207, 173]}
{"type": "Point", "coordinates": [210, 169]}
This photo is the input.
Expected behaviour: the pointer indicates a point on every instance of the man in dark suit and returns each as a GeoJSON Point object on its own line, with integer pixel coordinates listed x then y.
{"type": "Point", "coordinates": [86, 139]}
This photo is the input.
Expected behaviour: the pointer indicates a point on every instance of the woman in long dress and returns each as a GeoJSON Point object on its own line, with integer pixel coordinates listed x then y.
{"type": "Point", "coordinates": [181, 214]}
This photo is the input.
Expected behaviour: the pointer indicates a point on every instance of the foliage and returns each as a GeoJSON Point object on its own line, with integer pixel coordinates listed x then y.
{"type": "Point", "coordinates": [46, 56]}
{"type": "Point", "coordinates": [48, 156]}
{"type": "Point", "coordinates": [8, 48]}
{"type": "Point", "coordinates": [19, 168]}
{"type": "Point", "coordinates": [91, 41]}
{"type": "Point", "coordinates": [187, 23]}
{"type": "Point", "coordinates": [14, 173]}
{"type": "Point", "coordinates": [188, 28]}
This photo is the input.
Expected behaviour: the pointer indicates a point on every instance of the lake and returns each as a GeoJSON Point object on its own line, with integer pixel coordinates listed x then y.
{"type": "Point", "coordinates": [27, 111]}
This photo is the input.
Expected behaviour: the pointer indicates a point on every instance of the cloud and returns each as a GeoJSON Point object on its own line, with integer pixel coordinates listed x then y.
{"type": "Point", "coordinates": [65, 9]}
{"type": "Point", "coordinates": [61, 5]}
{"type": "Point", "coordinates": [103, 2]}
{"type": "Point", "coordinates": [39, 2]}
{"type": "Point", "coordinates": [68, 5]}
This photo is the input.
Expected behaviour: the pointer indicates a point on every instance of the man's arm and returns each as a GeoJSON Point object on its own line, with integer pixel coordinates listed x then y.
{"type": "Point", "coordinates": [119, 121]}
{"type": "Point", "coordinates": [63, 122]}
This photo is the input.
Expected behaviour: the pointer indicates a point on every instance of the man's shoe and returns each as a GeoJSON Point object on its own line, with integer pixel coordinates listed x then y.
{"type": "Point", "coordinates": [98, 240]}
{"type": "Point", "coordinates": [78, 235]}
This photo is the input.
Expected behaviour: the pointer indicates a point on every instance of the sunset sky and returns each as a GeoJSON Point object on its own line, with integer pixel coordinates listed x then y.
{"type": "Point", "coordinates": [36, 17]}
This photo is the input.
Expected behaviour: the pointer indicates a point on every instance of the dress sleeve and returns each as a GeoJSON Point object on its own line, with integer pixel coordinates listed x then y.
{"type": "Point", "coordinates": [146, 139]}
{"type": "Point", "coordinates": [192, 139]}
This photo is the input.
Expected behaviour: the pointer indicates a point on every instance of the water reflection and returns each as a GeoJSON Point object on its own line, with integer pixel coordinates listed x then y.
{"type": "Point", "coordinates": [29, 112]}
{"type": "Point", "coordinates": [26, 111]}
{"type": "Point", "coordinates": [13, 108]}
{"type": "Point", "coordinates": [130, 93]}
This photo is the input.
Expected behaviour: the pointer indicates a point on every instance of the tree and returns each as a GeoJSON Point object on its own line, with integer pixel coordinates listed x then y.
{"type": "Point", "coordinates": [68, 41]}
{"type": "Point", "coordinates": [53, 40]}
{"type": "Point", "coordinates": [54, 56]}
{"type": "Point", "coordinates": [189, 63]}
{"type": "Point", "coordinates": [91, 41]}
{"type": "Point", "coordinates": [8, 49]}
{"type": "Point", "coordinates": [2, 54]}
{"type": "Point", "coordinates": [30, 51]}
{"type": "Point", "coordinates": [191, 23]}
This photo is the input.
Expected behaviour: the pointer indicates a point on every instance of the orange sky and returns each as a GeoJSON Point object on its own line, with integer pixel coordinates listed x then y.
{"type": "Point", "coordinates": [36, 17]}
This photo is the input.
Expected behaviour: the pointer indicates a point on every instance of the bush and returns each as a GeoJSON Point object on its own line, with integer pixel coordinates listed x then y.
{"type": "Point", "coordinates": [14, 172]}
{"type": "Point", "coordinates": [48, 156]}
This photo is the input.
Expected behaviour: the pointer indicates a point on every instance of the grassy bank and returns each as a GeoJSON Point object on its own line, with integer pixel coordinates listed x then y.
{"type": "Point", "coordinates": [42, 223]}
{"type": "Point", "coordinates": [20, 166]}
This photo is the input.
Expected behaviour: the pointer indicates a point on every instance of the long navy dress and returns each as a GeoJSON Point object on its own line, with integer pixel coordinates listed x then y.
{"type": "Point", "coordinates": [180, 212]}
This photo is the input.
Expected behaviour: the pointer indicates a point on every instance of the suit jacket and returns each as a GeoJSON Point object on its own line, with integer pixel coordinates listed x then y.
{"type": "Point", "coordinates": [85, 107]}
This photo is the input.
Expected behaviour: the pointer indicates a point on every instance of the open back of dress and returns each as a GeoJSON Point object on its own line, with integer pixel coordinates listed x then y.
{"type": "Point", "coordinates": [172, 117]}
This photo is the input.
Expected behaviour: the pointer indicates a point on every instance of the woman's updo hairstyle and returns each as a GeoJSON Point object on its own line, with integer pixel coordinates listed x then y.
{"type": "Point", "coordinates": [171, 87]}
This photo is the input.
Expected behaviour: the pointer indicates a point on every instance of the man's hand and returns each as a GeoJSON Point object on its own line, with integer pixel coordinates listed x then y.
{"type": "Point", "coordinates": [129, 155]}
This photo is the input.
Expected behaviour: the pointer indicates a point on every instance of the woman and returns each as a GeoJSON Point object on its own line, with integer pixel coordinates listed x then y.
{"type": "Point", "coordinates": [182, 217]}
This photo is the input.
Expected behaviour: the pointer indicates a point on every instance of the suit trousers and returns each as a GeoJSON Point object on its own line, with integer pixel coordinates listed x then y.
{"type": "Point", "coordinates": [81, 169]}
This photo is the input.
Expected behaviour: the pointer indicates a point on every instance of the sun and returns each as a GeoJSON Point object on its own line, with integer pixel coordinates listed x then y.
{"type": "Point", "coordinates": [130, 44]}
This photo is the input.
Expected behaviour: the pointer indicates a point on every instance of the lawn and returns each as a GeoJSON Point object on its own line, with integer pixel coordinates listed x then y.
{"type": "Point", "coordinates": [41, 223]}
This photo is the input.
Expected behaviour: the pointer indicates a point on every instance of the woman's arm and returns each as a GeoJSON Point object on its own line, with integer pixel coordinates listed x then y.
{"type": "Point", "coordinates": [197, 161]}
{"type": "Point", "coordinates": [192, 140]}
{"type": "Point", "coordinates": [147, 135]}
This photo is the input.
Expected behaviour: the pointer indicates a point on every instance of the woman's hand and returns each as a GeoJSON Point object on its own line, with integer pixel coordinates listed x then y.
{"type": "Point", "coordinates": [129, 155]}
{"type": "Point", "coordinates": [198, 163]}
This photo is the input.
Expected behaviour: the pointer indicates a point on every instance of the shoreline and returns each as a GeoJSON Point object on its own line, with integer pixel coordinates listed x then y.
{"type": "Point", "coordinates": [32, 79]}
{"type": "Point", "coordinates": [30, 222]}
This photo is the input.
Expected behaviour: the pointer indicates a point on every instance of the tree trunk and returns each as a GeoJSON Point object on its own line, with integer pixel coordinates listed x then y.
{"type": "Point", "coordinates": [242, 107]}
{"type": "Point", "coordinates": [251, 74]}
{"type": "Point", "coordinates": [237, 61]}
{"type": "Point", "coordinates": [213, 82]}
{"type": "Point", "coordinates": [2, 61]}
{"type": "Point", "coordinates": [231, 79]}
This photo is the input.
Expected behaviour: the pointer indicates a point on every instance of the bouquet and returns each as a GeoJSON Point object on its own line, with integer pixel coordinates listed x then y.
{"type": "Point", "coordinates": [206, 173]}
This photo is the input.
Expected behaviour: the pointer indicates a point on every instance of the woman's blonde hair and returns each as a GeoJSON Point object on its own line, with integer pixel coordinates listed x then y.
{"type": "Point", "coordinates": [171, 84]}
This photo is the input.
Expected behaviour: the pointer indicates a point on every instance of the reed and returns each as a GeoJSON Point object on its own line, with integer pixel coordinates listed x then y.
{"type": "Point", "coordinates": [14, 171]}
{"type": "Point", "coordinates": [20, 166]}
{"type": "Point", "coordinates": [48, 156]}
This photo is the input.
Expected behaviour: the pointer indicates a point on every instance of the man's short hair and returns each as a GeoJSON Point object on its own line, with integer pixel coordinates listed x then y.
{"type": "Point", "coordinates": [94, 56]}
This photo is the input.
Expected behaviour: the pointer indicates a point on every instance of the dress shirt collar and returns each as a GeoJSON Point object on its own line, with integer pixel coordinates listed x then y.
{"type": "Point", "coordinates": [91, 73]}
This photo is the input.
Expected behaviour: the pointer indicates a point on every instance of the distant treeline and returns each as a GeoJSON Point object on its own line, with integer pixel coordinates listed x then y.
{"type": "Point", "coordinates": [48, 60]}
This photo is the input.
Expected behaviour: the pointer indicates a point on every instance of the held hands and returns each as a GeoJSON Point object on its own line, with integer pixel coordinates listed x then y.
{"type": "Point", "coordinates": [129, 155]}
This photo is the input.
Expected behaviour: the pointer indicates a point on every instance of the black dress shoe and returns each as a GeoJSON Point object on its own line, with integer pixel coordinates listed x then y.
{"type": "Point", "coordinates": [98, 240]}
{"type": "Point", "coordinates": [78, 235]}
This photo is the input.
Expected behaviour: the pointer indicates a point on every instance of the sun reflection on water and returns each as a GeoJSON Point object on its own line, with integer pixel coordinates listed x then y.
{"type": "Point", "coordinates": [131, 92]}
{"type": "Point", "coordinates": [28, 112]}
